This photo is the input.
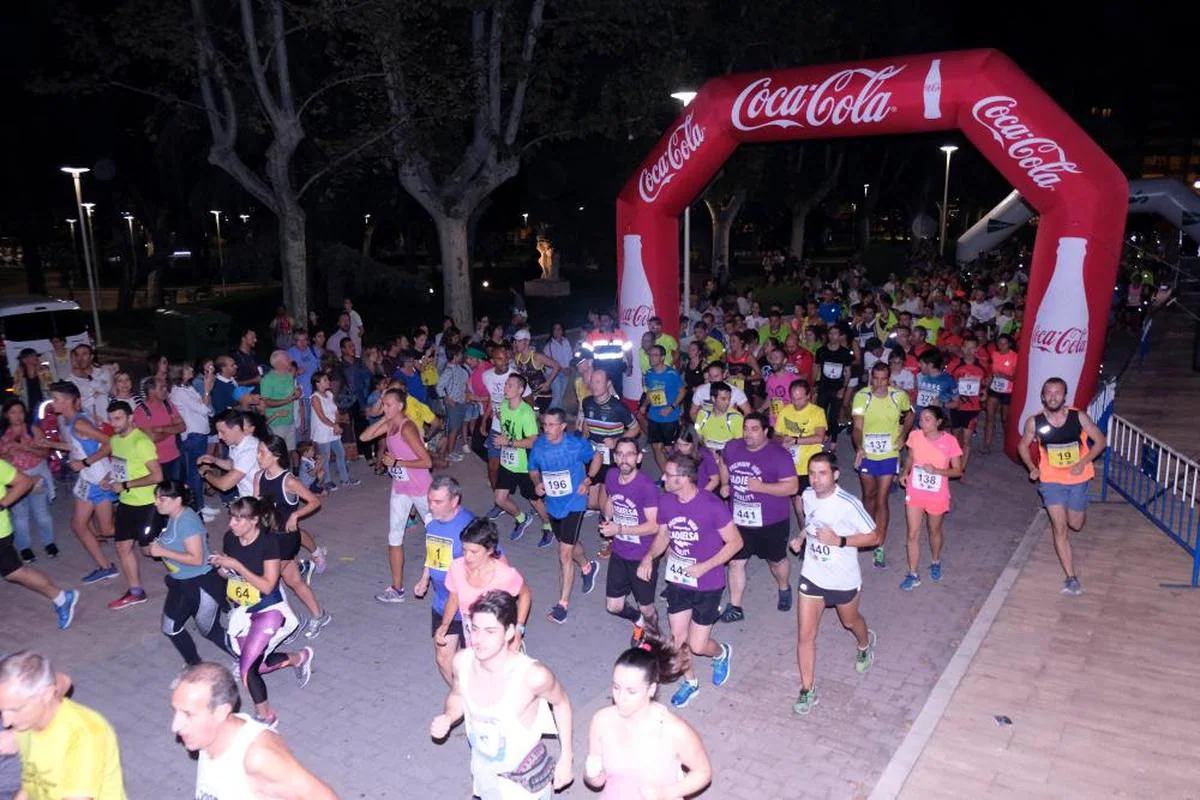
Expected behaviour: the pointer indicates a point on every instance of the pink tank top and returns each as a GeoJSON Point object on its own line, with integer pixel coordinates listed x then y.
{"type": "Point", "coordinates": [406, 480]}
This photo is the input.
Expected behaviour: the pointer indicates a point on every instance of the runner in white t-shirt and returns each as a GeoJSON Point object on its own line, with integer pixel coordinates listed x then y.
{"type": "Point", "coordinates": [835, 526]}
{"type": "Point", "coordinates": [494, 380]}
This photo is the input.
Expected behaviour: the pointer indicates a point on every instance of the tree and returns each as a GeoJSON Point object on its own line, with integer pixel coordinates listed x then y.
{"type": "Point", "coordinates": [811, 187]}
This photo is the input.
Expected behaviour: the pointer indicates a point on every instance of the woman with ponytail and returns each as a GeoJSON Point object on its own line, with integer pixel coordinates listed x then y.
{"type": "Point", "coordinates": [637, 748]}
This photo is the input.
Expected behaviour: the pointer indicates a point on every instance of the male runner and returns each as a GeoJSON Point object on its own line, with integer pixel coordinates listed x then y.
{"type": "Point", "coordinates": [718, 424]}
{"type": "Point", "coordinates": [518, 431]}
{"type": "Point", "coordinates": [835, 363]}
{"type": "Point", "coordinates": [134, 472]}
{"type": "Point", "coordinates": [758, 476]}
{"type": "Point", "coordinates": [716, 373]}
{"type": "Point", "coordinates": [779, 376]}
{"type": "Point", "coordinates": [443, 544]}
{"type": "Point", "coordinates": [494, 380]}
{"type": "Point", "coordinates": [236, 472]}
{"type": "Point", "coordinates": [697, 530]}
{"type": "Point", "coordinates": [836, 526]}
{"type": "Point", "coordinates": [970, 376]}
{"type": "Point", "coordinates": [605, 419]}
{"type": "Point", "coordinates": [934, 386]}
{"type": "Point", "coordinates": [16, 485]}
{"type": "Point", "coordinates": [503, 695]}
{"type": "Point", "coordinates": [239, 758]}
{"type": "Point", "coordinates": [882, 419]}
{"type": "Point", "coordinates": [563, 469]}
{"type": "Point", "coordinates": [662, 403]}
{"type": "Point", "coordinates": [1063, 469]}
{"type": "Point", "coordinates": [631, 521]}
{"type": "Point", "coordinates": [803, 426]}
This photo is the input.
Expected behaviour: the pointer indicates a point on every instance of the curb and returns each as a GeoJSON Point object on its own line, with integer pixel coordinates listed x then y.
{"type": "Point", "coordinates": [894, 776]}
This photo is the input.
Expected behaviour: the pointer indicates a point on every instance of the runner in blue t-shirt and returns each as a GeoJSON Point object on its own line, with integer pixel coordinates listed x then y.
{"type": "Point", "coordinates": [662, 403]}
{"type": "Point", "coordinates": [562, 469]}
{"type": "Point", "coordinates": [934, 386]}
{"type": "Point", "coordinates": [443, 544]}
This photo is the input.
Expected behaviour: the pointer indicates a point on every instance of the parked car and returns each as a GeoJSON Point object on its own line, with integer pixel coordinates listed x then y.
{"type": "Point", "coordinates": [30, 321]}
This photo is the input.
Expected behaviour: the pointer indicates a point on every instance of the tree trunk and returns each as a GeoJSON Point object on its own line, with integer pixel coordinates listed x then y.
{"type": "Point", "coordinates": [456, 269]}
{"type": "Point", "coordinates": [723, 215]}
{"type": "Point", "coordinates": [799, 220]}
{"type": "Point", "coordinates": [293, 259]}
{"type": "Point", "coordinates": [368, 234]}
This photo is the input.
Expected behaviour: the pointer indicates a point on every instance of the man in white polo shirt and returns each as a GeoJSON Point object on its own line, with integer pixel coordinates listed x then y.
{"type": "Point", "coordinates": [237, 471]}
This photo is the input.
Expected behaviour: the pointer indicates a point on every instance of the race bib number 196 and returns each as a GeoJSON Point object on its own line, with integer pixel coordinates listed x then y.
{"type": "Point", "coordinates": [557, 484]}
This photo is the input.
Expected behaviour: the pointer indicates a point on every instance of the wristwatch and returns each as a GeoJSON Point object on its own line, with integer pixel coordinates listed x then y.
{"type": "Point", "coordinates": [843, 541]}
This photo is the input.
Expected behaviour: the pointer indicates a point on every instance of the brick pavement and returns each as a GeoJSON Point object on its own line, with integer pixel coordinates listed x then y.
{"type": "Point", "coordinates": [362, 723]}
{"type": "Point", "coordinates": [1100, 688]}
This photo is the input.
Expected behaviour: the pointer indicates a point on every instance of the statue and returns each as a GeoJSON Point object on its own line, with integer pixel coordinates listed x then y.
{"type": "Point", "coordinates": [547, 259]}
{"type": "Point", "coordinates": [549, 285]}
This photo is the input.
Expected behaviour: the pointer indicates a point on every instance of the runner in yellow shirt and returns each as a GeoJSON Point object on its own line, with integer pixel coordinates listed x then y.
{"type": "Point", "coordinates": [719, 425]}
{"type": "Point", "coordinates": [882, 419]}
{"type": "Point", "coordinates": [802, 426]}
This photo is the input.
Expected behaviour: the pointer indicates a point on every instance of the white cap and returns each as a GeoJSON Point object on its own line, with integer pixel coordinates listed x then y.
{"type": "Point", "coordinates": [521, 334]}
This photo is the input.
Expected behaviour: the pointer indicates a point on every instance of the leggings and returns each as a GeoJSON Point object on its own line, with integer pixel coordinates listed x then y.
{"type": "Point", "coordinates": [253, 664]}
{"type": "Point", "coordinates": [198, 599]}
{"type": "Point", "coordinates": [833, 412]}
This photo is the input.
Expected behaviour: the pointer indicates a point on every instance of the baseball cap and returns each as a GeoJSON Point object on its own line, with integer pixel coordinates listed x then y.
{"type": "Point", "coordinates": [521, 334]}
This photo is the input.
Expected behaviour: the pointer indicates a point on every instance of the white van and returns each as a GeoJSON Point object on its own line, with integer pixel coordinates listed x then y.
{"type": "Point", "coordinates": [30, 321]}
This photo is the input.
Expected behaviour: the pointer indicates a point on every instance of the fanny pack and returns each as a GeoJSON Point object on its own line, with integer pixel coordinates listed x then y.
{"type": "Point", "coordinates": [535, 772]}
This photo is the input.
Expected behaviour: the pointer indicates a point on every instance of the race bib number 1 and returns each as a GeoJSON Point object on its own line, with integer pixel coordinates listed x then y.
{"type": "Point", "coordinates": [557, 484]}
{"type": "Point", "coordinates": [439, 553]}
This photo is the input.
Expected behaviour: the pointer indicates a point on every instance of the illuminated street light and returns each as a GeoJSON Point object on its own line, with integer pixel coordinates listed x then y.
{"type": "Point", "coordinates": [948, 149]}
{"type": "Point", "coordinates": [75, 172]}
{"type": "Point", "coordinates": [220, 249]}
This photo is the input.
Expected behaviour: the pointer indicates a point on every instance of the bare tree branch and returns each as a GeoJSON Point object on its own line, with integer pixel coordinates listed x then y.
{"type": "Point", "coordinates": [165, 98]}
{"type": "Point", "coordinates": [282, 72]}
{"type": "Point", "coordinates": [527, 50]}
{"type": "Point", "coordinates": [494, 85]}
{"type": "Point", "coordinates": [333, 85]}
{"type": "Point", "coordinates": [257, 70]}
{"type": "Point", "coordinates": [346, 156]}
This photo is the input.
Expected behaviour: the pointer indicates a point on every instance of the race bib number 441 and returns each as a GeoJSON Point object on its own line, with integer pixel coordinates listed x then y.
{"type": "Point", "coordinates": [747, 515]}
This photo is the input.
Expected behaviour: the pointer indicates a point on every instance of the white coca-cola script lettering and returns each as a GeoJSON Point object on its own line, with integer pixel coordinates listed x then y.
{"type": "Point", "coordinates": [685, 140]}
{"type": "Point", "coordinates": [1072, 341]}
{"type": "Point", "coordinates": [833, 101]}
{"type": "Point", "coordinates": [1042, 158]}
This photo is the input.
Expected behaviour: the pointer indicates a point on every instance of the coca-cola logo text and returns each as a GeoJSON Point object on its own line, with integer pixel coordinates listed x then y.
{"type": "Point", "coordinates": [1042, 158]}
{"type": "Point", "coordinates": [685, 140]}
{"type": "Point", "coordinates": [636, 316]}
{"type": "Point", "coordinates": [1069, 342]}
{"type": "Point", "coordinates": [833, 101]}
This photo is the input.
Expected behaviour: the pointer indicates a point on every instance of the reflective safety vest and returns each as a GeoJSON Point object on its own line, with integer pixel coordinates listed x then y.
{"type": "Point", "coordinates": [601, 346]}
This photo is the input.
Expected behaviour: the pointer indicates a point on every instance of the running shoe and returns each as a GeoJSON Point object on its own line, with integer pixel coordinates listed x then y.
{"type": "Point", "coordinates": [589, 577]}
{"type": "Point", "coordinates": [66, 612]}
{"type": "Point", "coordinates": [547, 538]}
{"type": "Point", "coordinates": [318, 557]}
{"type": "Point", "coordinates": [391, 595]}
{"type": "Point", "coordinates": [591, 512]}
{"type": "Point", "coordinates": [1071, 586]}
{"type": "Point", "coordinates": [52, 550]}
{"type": "Point", "coordinates": [272, 722]}
{"type": "Point", "coordinates": [312, 629]}
{"type": "Point", "coordinates": [935, 571]}
{"type": "Point", "coordinates": [605, 549]}
{"type": "Point", "coordinates": [294, 633]}
{"type": "Point", "coordinates": [307, 568]}
{"type": "Point", "coordinates": [456, 457]}
{"type": "Point", "coordinates": [880, 559]}
{"type": "Point", "coordinates": [785, 599]}
{"type": "Point", "coordinates": [721, 665]}
{"type": "Point", "coordinates": [910, 582]}
{"type": "Point", "coordinates": [331, 488]}
{"type": "Point", "coordinates": [558, 614]}
{"type": "Point", "coordinates": [684, 694]}
{"type": "Point", "coordinates": [353, 482]}
{"type": "Point", "coordinates": [638, 636]}
{"type": "Point", "coordinates": [128, 599]}
{"type": "Point", "coordinates": [28, 556]}
{"type": "Point", "coordinates": [805, 702]}
{"type": "Point", "coordinates": [304, 668]}
{"type": "Point", "coordinates": [865, 658]}
{"type": "Point", "coordinates": [732, 613]}
{"type": "Point", "coordinates": [495, 512]}
{"type": "Point", "coordinates": [466, 449]}
{"type": "Point", "coordinates": [519, 529]}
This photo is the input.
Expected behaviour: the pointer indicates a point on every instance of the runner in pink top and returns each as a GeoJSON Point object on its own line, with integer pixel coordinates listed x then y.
{"type": "Point", "coordinates": [934, 456]}
{"type": "Point", "coordinates": [408, 463]}
{"type": "Point", "coordinates": [479, 570]}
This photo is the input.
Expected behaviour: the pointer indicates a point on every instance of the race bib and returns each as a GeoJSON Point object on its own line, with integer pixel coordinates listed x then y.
{"type": "Point", "coordinates": [818, 551]}
{"type": "Point", "coordinates": [120, 471]}
{"type": "Point", "coordinates": [439, 553]}
{"type": "Point", "coordinates": [1001, 385]}
{"type": "Point", "coordinates": [605, 455]}
{"type": "Point", "coordinates": [677, 567]}
{"type": "Point", "coordinates": [658, 397]}
{"type": "Point", "coordinates": [242, 593]}
{"type": "Point", "coordinates": [968, 387]}
{"type": "Point", "coordinates": [557, 484]}
{"type": "Point", "coordinates": [927, 397]}
{"type": "Point", "coordinates": [737, 382]}
{"type": "Point", "coordinates": [508, 457]}
{"type": "Point", "coordinates": [926, 481]}
{"type": "Point", "coordinates": [81, 489]}
{"type": "Point", "coordinates": [747, 515]}
{"type": "Point", "coordinates": [794, 449]}
{"type": "Point", "coordinates": [714, 446]}
{"type": "Point", "coordinates": [398, 473]}
{"type": "Point", "coordinates": [1063, 455]}
{"type": "Point", "coordinates": [877, 444]}
{"type": "Point", "coordinates": [832, 370]}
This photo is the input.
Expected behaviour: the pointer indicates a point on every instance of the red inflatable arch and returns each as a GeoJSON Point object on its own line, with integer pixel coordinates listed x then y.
{"type": "Point", "coordinates": [1079, 192]}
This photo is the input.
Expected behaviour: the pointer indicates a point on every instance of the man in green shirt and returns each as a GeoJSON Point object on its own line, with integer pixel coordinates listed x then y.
{"type": "Point", "coordinates": [774, 329]}
{"type": "Point", "coordinates": [518, 430]}
{"type": "Point", "coordinates": [279, 391]}
{"type": "Point", "coordinates": [135, 473]}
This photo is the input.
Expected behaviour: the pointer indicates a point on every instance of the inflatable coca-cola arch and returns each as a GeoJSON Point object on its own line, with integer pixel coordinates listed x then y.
{"type": "Point", "coordinates": [1078, 191]}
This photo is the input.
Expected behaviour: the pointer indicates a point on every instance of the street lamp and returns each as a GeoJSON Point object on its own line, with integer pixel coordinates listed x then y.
{"type": "Point", "coordinates": [244, 218]}
{"type": "Point", "coordinates": [132, 243]}
{"type": "Point", "coordinates": [75, 172]}
{"type": "Point", "coordinates": [948, 149]}
{"type": "Point", "coordinates": [1196, 184]}
{"type": "Point", "coordinates": [525, 219]}
{"type": "Point", "coordinates": [220, 248]}
{"type": "Point", "coordinates": [686, 97]}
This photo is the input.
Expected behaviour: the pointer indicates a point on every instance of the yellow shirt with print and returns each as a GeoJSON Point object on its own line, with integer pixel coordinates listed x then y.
{"type": "Point", "coordinates": [75, 756]}
{"type": "Point", "coordinates": [718, 429]}
{"type": "Point", "coordinates": [8, 473]}
{"type": "Point", "coordinates": [881, 421]}
{"type": "Point", "coordinates": [802, 424]}
{"type": "Point", "coordinates": [130, 454]}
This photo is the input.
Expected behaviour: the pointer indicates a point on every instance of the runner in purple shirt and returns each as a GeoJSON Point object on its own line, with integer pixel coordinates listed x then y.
{"type": "Point", "coordinates": [758, 476]}
{"type": "Point", "coordinates": [697, 530]}
{"type": "Point", "coordinates": [631, 521]}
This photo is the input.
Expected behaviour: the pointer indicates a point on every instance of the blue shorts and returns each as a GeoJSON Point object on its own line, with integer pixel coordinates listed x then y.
{"type": "Point", "coordinates": [93, 493]}
{"type": "Point", "coordinates": [492, 448]}
{"type": "Point", "coordinates": [1072, 495]}
{"type": "Point", "coordinates": [456, 415]}
{"type": "Point", "coordinates": [879, 468]}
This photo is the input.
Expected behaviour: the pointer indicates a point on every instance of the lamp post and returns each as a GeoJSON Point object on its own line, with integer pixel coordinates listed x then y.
{"type": "Point", "coordinates": [75, 172]}
{"type": "Point", "coordinates": [948, 149]}
{"type": "Point", "coordinates": [132, 243]}
{"type": "Point", "coordinates": [89, 235]}
{"type": "Point", "coordinates": [686, 97]}
{"type": "Point", "coordinates": [220, 248]}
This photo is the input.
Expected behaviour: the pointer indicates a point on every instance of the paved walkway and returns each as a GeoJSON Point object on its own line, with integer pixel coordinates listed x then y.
{"type": "Point", "coordinates": [1101, 689]}
{"type": "Point", "coordinates": [362, 724]}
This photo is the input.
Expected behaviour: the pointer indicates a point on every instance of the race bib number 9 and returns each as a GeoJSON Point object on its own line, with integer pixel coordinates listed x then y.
{"type": "Point", "coordinates": [658, 398]}
{"type": "Point", "coordinates": [677, 567]}
{"type": "Point", "coordinates": [747, 515]}
{"type": "Point", "coordinates": [877, 443]}
{"type": "Point", "coordinates": [557, 484]}
{"type": "Point", "coordinates": [240, 592]}
{"type": "Point", "coordinates": [1063, 455]}
{"type": "Point", "coordinates": [439, 553]}
{"type": "Point", "coordinates": [968, 387]}
{"type": "Point", "coordinates": [508, 457]}
{"type": "Point", "coordinates": [926, 481]}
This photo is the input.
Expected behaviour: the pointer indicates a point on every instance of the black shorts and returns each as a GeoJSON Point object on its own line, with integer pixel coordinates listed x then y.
{"type": "Point", "coordinates": [801, 485]}
{"type": "Point", "coordinates": [455, 628]}
{"type": "Point", "coordinates": [10, 560]}
{"type": "Point", "coordinates": [1003, 398]}
{"type": "Point", "coordinates": [201, 598]}
{"type": "Point", "coordinates": [832, 597]}
{"type": "Point", "coordinates": [662, 432]}
{"type": "Point", "coordinates": [963, 419]}
{"type": "Point", "coordinates": [705, 606]}
{"type": "Point", "coordinates": [622, 579]}
{"type": "Point", "coordinates": [769, 542]}
{"type": "Point", "coordinates": [133, 522]}
{"type": "Point", "coordinates": [566, 530]}
{"type": "Point", "coordinates": [512, 481]}
{"type": "Point", "coordinates": [289, 544]}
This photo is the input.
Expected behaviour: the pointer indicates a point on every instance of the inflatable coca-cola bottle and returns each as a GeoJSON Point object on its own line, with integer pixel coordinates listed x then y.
{"type": "Point", "coordinates": [637, 307]}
